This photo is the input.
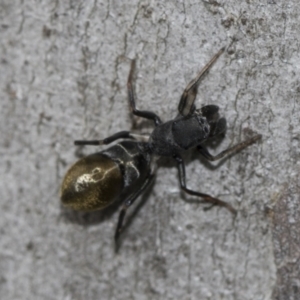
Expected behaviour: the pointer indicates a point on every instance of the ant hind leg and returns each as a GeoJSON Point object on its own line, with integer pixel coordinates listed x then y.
{"type": "Point", "coordinates": [127, 203]}
{"type": "Point", "coordinates": [186, 105]}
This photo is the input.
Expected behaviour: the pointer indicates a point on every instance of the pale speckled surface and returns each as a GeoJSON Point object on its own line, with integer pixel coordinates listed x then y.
{"type": "Point", "coordinates": [63, 77]}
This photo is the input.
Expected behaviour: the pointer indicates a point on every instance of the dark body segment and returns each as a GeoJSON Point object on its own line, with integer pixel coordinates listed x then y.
{"type": "Point", "coordinates": [161, 141]}
{"type": "Point", "coordinates": [100, 179]}
{"type": "Point", "coordinates": [133, 163]}
{"type": "Point", "coordinates": [177, 135]}
{"type": "Point", "coordinates": [190, 131]}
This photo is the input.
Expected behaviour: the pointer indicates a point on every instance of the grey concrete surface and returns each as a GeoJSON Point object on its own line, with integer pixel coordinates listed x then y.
{"type": "Point", "coordinates": [64, 66]}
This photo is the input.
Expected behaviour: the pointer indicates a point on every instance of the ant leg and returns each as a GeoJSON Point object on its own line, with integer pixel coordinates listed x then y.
{"type": "Point", "coordinates": [186, 105]}
{"type": "Point", "coordinates": [112, 138]}
{"type": "Point", "coordinates": [206, 198]}
{"type": "Point", "coordinates": [202, 150]}
{"type": "Point", "coordinates": [140, 113]}
{"type": "Point", "coordinates": [128, 203]}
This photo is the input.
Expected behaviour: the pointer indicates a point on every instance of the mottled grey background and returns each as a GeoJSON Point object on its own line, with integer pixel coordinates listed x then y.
{"type": "Point", "coordinates": [63, 71]}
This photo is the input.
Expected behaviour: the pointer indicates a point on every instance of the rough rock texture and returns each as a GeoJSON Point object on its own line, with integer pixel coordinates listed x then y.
{"type": "Point", "coordinates": [64, 66]}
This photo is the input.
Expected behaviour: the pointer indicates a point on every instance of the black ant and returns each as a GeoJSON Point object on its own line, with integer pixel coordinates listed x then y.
{"type": "Point", "coordinates": [125, 170]}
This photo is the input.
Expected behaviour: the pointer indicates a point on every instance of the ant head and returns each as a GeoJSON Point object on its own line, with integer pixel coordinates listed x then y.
{"type": "Point", "coordinates": [217, 124]}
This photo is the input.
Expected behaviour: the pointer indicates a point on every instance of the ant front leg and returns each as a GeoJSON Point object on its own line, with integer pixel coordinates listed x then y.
{"type": "Point", "coordinates": [202, 150]}
{"type": "Point", "coordinates": [206, 198]}
{"type": "Point", "coordinates": [140, 113]}
{"type": "Point", "coordinates": [112, 138]}
{"type": "Point", "coordinates": [186, 105]}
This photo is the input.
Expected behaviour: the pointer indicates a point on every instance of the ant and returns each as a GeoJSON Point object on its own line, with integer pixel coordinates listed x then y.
{"type": "Point", "coordinates": [124, 171]}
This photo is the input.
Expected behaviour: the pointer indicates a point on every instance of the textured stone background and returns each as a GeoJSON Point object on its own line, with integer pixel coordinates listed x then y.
{"type": "Point", "coordinates": [64, 66]}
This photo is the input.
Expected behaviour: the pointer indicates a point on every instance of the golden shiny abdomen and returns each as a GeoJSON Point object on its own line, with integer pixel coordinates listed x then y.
{"type": "Point", "coordinates": [92, 183]}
